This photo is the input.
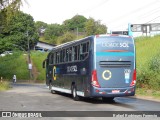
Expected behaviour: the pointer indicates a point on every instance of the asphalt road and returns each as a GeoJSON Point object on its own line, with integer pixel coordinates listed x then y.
{"type": "Point", "coordinates": [37, 97]}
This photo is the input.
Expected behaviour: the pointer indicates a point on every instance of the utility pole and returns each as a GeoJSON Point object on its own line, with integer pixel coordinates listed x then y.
{"type": "Point", "coordinates": [77, 32]}
{"type": "Point", "coordinates": [29, 58]}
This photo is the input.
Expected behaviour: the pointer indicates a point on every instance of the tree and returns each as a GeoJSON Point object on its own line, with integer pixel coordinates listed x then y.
{"type": "Point", "coordinates": [93, 27]}
{"type": "Point", "coordinates": [66, 38]}
{"type": "Point", "coordinates": [14, 4]}
{"type": "Point", "coordinates": [52, 32]}
{"type": "Point", "coordinates": [40, 27]}
{"type": "Point", "coordinates": [7, 9]}
{"type": "Point", "coordinates": [20, 30]}
{"type": "Point", "coordinates": [78, 21]}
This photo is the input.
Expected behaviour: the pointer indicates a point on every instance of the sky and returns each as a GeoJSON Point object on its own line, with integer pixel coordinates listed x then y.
{"type": "Point", "coordinates": [115, 14]}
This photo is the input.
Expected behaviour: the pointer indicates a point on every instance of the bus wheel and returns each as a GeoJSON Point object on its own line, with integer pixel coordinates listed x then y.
{"type": "Point", "coordinates": [50, 88]}
{"type": "Point", "coordinates": [108, 99]}
{"type": "Point", "coordinates": [74, 93]}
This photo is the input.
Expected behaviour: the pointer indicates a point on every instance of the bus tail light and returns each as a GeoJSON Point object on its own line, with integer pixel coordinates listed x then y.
{"type": "Point", "coordinates": [133, 79]}
{"type": "Point", "coordinates": [94, 79]}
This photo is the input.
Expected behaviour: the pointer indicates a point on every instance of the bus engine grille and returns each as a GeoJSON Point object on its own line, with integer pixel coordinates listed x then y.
{"type": "Point", "coordinates": [115, 63]}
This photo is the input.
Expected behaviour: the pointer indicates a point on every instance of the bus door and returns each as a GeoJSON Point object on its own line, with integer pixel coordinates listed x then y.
{"type": "Point", "coordinates": [46, 66]}
{"type": "Point", "coordinates": [114, 61]}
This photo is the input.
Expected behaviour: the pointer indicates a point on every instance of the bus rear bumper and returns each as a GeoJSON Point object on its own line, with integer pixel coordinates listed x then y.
{"type": "Point", "coordinates": [113, 92]}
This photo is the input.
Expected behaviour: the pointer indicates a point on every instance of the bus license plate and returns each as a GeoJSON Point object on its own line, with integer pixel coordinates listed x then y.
{"type": "Point", "coordinates": [115, 91]}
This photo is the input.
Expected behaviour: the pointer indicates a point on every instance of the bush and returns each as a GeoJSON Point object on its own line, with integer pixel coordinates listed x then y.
{"type": "Point", "coordinates": [4, 85]}
{"type": "Point", "coordinates": [154, 63]}
{"type": "Point", "coordinates": [148, 75]}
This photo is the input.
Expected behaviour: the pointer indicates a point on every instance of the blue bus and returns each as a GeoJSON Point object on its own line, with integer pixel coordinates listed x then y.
{"type": "Point", "coordinates": [96, 66]}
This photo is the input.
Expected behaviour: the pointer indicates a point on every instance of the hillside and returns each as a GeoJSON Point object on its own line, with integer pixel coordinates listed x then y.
{"type": "Point", "coordinates": [17, 64]}
{"type": "Point", "coordinates": [148, 62]}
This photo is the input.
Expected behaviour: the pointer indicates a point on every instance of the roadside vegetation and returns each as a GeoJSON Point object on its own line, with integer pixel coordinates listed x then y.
{"type": "Point", "coordinates": [14, 64]}
{"type": "Point", "coordinates": [148, 65]}
{"type": "Point", "coordinates": [18, 64]}
{"type": "Point", "coordinates": [4, 85]}
{"type": "Point", "coordinates": [37, 59]}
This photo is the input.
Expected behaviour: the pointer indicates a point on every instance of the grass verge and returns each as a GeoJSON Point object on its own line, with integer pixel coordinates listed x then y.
{"type": "Point", "coordinates": [154, 94]}
{"type": "Point", "coordinates": [4, 86]}
{"type": "Point", "coordinates": [37, 59]}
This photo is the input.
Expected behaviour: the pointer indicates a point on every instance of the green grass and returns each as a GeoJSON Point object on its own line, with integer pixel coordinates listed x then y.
{"type": "Point", "coordinates": [147, 92]}
{"type": "Point", "coordinates": [147, 47]}
{"type": "Point", "coordinates": [147, 63]}
{"type": "Point", "coordinates": [37, 59]}
{"type": "Point", "coordinates": [14, 64]}
{"type": "Point", "coordinates": [4, 86]}
{"type": "Point", "coordinates": [17, 64]}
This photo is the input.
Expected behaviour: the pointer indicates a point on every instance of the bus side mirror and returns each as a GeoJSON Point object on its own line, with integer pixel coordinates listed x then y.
{"type": "Point", "coordinates": [44, 62]}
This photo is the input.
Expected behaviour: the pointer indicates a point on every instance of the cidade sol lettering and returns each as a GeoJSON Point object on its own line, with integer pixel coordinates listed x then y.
{"type": "Point", "coordinates": [114, 44]}
{"type": "Point", "coordinates": [124, 44]}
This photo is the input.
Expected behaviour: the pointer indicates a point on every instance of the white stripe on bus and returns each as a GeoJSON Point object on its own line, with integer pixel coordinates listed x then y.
{"type": "Point", "coordinates": [79, 93]}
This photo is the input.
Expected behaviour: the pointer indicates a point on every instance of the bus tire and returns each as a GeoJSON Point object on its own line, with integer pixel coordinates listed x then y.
{"type": "Point", "coordinates": [50, 88]}
{"type": "Point", "coordinates": [108, 99]}
{"type": "Point", "coordinates": [74, 93]}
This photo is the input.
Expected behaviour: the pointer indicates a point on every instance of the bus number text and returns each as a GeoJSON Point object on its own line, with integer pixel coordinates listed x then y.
{"type": "Point", "coordinates": [72, 69]}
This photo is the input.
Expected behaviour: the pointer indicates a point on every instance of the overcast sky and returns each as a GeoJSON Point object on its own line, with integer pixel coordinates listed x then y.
{"type": "Point", "coordinates": [115, 14]}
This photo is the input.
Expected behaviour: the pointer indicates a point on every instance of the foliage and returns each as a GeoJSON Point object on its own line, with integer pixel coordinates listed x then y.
{"type": "Point", "coordinates": [17, 64]}
{"type": "Point", "coordinates": [93, 27]}
{"type": "Point", "coordinates": [76, 27]}
{"type": "Point", "coordinates": [8, 9]}
{"type": "Point", "coordinates": [52, 32]}
{"type": "Point", "coordinates": [66, 38]}
{"type": "Point", "coordinates": [14, 4]}
{"type": "Point", "coordinates": [148, 62]}
{"type": "Point", "coordinates": [148, 92]}
{"type": "Point", "coordinates": [15, 34]}
{"type": "Point", "coordinates": [78, 21]}
{"type": "Point", "coordinates": [40, 27]}
{"type": "Point", "coordinates": [154, 63]}
{"type": "Point", "coordinates": [4, 85]}
{"type": "Point", "coordinates": [37, 59]}
{"type": "Point", "coordinates": [14, 64]}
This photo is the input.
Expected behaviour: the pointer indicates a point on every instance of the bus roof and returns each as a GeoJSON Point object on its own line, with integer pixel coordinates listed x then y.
{"type": "Point", "coordinates": [92, 36]}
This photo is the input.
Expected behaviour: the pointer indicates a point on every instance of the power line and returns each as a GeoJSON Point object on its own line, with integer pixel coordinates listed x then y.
{"type": "Point", "coordinates": [152, 20]}
{"type": "Point", "coordinates": [94, 7]}
{"type": "Point", "coordinates": [150, 12]}
{"type": "Point", "coordinates": [133, 12]}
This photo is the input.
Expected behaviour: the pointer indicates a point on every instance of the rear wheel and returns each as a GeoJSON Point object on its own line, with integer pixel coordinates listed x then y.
{"type": "Point", "coordinates": [74, 93]}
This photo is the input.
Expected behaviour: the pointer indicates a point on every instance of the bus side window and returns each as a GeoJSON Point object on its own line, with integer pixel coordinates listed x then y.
{"type": "Point", "coordinates": [78, 52]}
{"type": "Point", "coordinates": [58, 55]}
{"type": "Point", "coordinates": [84, 50]}
{"type": "Point", "coordinates": [67, 55]}
{"type": "Point", "coordinates": [64, 55]}
{"type": "Point", "coordinates": [81, 52]}
{"type": "Point", "coordinates": [61, 56]}
{"type": "Point", "coordinates": [51, 58]}
{"type": "Point", "coordinates": [73, 53]}
{"type": "Point", "coordinates": [70, 54]}
{"type": "Point", "coordinates": [54, 58]}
